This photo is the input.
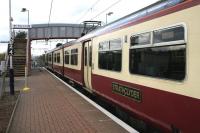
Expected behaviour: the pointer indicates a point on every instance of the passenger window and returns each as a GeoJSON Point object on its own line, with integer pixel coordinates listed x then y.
{"type": "Point", "coordinates": [90, 56]}
{"type": "Point", "coordinates": [141, 39]}
{"type": "Point", "coordinates": [162, 61]}
{"type": "Point", "coordinates": [58, 57]}
{"type": "Point", "coordinates": [74, 56]}
{"type": "Point", "coordinates": [168, 35]}
{"type": "Point", "coordinates": [85, 56]}
{"type": "Point", "coordinates": [55, 57]}
{"type": "Point", "coordinates": [110, 55]}
{"type": "Point", "coordinates": [66, 57]}
{"type": "Point", "coordinates": [49, 56]}
{"type": "Point", "coordinates": [103, 46]}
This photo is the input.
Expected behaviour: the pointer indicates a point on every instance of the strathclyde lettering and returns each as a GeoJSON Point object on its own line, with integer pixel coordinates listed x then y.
{"type": "Point", "coordinates": [134, 94]}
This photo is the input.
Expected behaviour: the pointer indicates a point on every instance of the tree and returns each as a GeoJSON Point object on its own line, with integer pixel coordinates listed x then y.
{"type": "Point", "coordinates": [40, 60]}
{"type": "Point", "coordinates": [58, 44]}
{"type": "Point", "coordinates": [2, 56]}
{"type": "Point", "coordinates": [21, 35]}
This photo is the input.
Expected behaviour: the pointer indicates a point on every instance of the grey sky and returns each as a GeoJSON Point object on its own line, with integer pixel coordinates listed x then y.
{"type": "Point", "coordinates": [64, 11]}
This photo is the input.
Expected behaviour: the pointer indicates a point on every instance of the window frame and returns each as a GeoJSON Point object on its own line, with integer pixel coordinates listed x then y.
{"type": "Point", "coordinates": [171, 43]}
{"type": "Point", "coordinates": [58, 57]}
{"type": "Point", "coordinates": [54, 57]}
{"type": "Point", "coordinates": [108, 42]}
{"type": "Point", "coordinates": [65, 51]}
{"type": "Point", "coordinates": [49, 57]}
{"type": "Point", "coordinates": [162, 43]}
{"type": "Point", "coordinates": [72, 54]}
{"type": "Point", "coordinates": [143, 45]}
{"type": "Point", "coordinates": [107, 51]}
{"type": "Point", "coordinates": [85, 56]}
{"type": "Point", "coordinates": [90, 56]}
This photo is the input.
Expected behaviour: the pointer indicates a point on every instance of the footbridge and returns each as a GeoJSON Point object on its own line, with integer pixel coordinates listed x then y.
{"type": "Point", "coordinates": [51, 31]}
{"type": "Point", "coordinates": [55, 31]}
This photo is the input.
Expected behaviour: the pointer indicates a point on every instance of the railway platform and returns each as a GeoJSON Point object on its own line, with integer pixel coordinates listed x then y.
{"type": "Point", "coordinates": [49, 106]}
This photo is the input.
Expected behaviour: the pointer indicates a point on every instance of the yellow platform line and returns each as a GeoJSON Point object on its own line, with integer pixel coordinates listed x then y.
{"type": "Point", "coordinates": [26, 89]}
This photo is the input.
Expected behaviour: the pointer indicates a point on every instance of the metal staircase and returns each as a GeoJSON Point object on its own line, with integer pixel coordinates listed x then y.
{"type": "Point", "coordinates": [19, 58]}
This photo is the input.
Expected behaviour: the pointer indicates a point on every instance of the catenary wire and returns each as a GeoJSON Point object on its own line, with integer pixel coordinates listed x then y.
{"type": "Point", "coordinates": [88, 10]}
{"type": "Point", "coordinates": [105, 9]}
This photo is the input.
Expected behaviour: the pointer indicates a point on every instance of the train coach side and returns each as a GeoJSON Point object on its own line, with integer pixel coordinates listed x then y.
{"type": "Point", "coordinates": [73, 62]}
{"type": "Point", "coordinates": [152, 69]}
{"type": "Point", "coordinates": [58, 60]}
{"type": "Point", "coordinates": [148, 65]}
{"type": "Point", "coordinates": [49, 60]}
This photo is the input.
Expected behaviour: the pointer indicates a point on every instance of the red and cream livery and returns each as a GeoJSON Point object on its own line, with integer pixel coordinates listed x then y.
{"type": "Point", "coordinates": [146, 62]}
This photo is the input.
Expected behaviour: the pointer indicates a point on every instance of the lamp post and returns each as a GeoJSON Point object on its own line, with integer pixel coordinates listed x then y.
{"type": "Point", "coordinates": [108, 14]}
{"type": "Point", "coordinates": [27, 51]}
{"type": "Point", "coordinates": [26, 10]}
{"type": "Point", "coordinates": [11, 71]}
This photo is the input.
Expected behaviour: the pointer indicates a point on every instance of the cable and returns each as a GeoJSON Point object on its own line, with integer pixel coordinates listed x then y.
{"type": "Point", "coordinates": [50, 12]}
{"type": "Point", "coordinates": [106, 9]}
{"type": "Point", "coordinates": [46, 40]}
{"type": "Point", "coordinates": [88, 10]}
{"type": "Point", "coordinates": [49, 19]}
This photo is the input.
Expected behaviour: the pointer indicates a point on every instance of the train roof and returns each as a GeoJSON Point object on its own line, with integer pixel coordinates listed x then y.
{"type": "Point", "coordinates": [57, 48]}
{"type": "Point", "coordinates": [142, 13]}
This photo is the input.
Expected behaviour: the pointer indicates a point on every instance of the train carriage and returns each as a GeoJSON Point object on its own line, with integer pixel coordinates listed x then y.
{"type": "Point", "coordinates": [58, 60]}
{"type": "Point", "coordinates": [151, 74]}
{"type": "Point", "coordinates": [49, 60]}
{"type": "Point", "coordinates": [73, 62]}
{"type": "Point", "coordinates": [147, 63]}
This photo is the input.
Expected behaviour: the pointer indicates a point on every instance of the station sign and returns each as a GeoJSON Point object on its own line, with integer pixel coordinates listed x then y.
{"type": "Point", "coordinates": [21, 26]}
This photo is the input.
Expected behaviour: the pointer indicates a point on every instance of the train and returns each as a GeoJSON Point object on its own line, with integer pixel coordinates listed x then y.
{"type": "Point", "coordinates": [146, 63]}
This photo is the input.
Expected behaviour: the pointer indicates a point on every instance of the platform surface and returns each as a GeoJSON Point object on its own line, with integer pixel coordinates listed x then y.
{"type": "Point", "coordinates": [51, 107]}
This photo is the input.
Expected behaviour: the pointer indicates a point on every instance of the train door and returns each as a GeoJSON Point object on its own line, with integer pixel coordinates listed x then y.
{"type": "Point", "coordinates": [87, 64]}
{"type": "Point", "coordinates": [52, 60]}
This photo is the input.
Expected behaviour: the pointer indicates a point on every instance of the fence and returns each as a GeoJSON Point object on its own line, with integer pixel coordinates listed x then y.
{"type": "Point", "coordinates": [4, 65]}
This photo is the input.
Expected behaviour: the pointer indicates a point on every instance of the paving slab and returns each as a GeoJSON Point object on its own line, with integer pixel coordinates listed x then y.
{"type": "Point", "coordinates": [51, 107]}
{"type": "Point", "coordinates": [18, 83]}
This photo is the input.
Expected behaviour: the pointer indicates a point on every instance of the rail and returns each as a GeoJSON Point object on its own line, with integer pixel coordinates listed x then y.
{"type": "Point", "coordinates": [3, 77]}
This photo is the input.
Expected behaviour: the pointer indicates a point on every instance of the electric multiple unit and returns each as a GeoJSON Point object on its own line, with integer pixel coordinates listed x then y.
{"type": "Point", "coordinates": [146, 62]}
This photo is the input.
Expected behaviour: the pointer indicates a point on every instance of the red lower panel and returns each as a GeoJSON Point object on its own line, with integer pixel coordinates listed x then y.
{"type": "Point", "coordinates": [73, 74]}
{"type": "Point", "coordinates": [58, 69]}
{"type": "Point", "coordinates": [161, 108]}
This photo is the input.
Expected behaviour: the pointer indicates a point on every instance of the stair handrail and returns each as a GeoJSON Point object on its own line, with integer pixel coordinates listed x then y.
{"type": "Point", "coordinates": [4, 73]}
